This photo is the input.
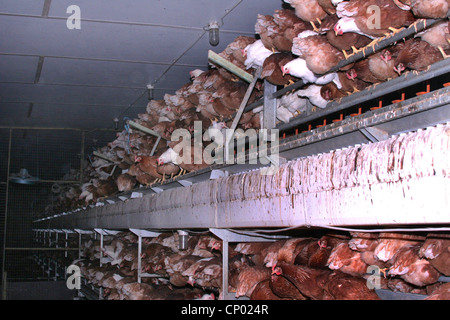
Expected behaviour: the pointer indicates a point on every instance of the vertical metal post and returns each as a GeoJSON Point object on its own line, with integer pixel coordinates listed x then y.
{"type": "Point", "coordinates": [65, 245]}
{"type": "Point", "coordinates": [139, 259]}
{"type": "Point", "coordinates": [79, 245]}
{"type": "Point", "coordinates": [155, 146]}
{"type": "Point", "coordinates": [101, 248]}
{"type": "Point", "coordinates": [224, 270]}
{"type": "Point", "coordinates": [6, 211]}
{"type": "Point", "coordinates": [237, 117]}
{"type": "Point", "coordinates": [5, 284]}
{"type": "Point", "coordinates": [83, 137]}
{"type": "Point", "coordinates": [270, 106]}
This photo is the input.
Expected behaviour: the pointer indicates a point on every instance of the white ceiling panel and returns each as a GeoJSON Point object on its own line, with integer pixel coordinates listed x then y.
{"type": "Point", "coordinates": [190, 13]}
{"type": "Point", "coordinates": [70, 116]}
{"type": "Point", "coordinates": [64, 116]}
{"type": "Point", "coordinates": [24, 35]}
{"type": "Point", "coordinates": [75, 95]}
{"type": "Point", "coordinates": [100, 73]}
{"type": "Point", "coordinates": [13, 114]}
{"type": "Point", "coordinates": [22, 6]}
{"type": "Point", "coordinates": [18, 68]}
{"type": "Point", "coordinates": [240, 19]}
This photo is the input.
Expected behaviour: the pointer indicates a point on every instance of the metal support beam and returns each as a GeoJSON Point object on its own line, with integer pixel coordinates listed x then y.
{"type": "Point", "coordinates": [224, 63]}
{"type": "Point", "coordinates": [270, 106]}
{"type": "Point", "coordinates": [155, 146]}
{"type": "Point", "coordinates": [238, 115]}
{"type": "Point", "coordinates": [143, 129]}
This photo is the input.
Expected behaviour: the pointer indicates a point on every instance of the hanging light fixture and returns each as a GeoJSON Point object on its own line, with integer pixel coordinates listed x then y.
{"type": "Point", "coordinates": [213, 29]}
{"type": "Point", "coordinates": [150, 92]}
{"type": "Point", "coordinates": [23, 177]}
{"type": "Point", "coordinates": [183, 239]}
{"type": "Point", "coordinates": [116, 123]}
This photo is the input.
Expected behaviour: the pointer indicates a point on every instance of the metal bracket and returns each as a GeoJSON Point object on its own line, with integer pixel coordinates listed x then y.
{"type": "Point", "coordinates": [215, 174]}
{"type": "Point", "coordinates": [145, 233]}
{"type": "Point", "coordinates": [135, 194]}
{"type": "Point", "coordinates": [156, 190]}
{"type": "Point", "coordinates": [185, 183]}
{"type": "Point", "coordinates": [374, 134]}
{"type": "Point", "coordinates": [235, 236]}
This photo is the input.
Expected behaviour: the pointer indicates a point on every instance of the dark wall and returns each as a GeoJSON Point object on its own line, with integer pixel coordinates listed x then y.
{"type": "Point", "coordinates": [39, 290]}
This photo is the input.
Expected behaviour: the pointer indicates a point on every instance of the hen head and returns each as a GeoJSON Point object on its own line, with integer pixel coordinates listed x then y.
{"type": "Point", "coordinates": [322, 244]}
{"type": "Point", "coordinates": [326, 96]}
{"type": "Point", "coordinates": [217, 246]}
{"type": "Point", "coordinates": [344, 25]}
{"type": "Point", "coordinates": [191, 281]}
{"type": "Point", "coordinates": [137, 159]}
{"type": "Point", "coordinates": [285, 70]}
{"type": "Point", "coordinates": [386, 56]}
{"type": "Point", "coordinates": [338, 29]}
{"type": "Point", "coordinates": [399, 68]}
{"type": "Point", "coordinates": [351, 74]}
{"type": "Point", "coordinates": [276, 270]}
{"type": "Point", "coordinates": [160, 161]}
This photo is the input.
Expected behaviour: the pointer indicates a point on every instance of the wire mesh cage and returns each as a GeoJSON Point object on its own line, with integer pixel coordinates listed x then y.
{"type": "Point", "coordinates": [36, 173]}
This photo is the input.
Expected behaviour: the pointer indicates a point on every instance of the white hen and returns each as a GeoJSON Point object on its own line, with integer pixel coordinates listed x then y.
{"type": "Point", "coordinates": [299, 69]}
{"type": "Point", "coordinates": [283, 114]}
{"type": "Point", "coordinates": [255, 54]}
{"type": "Point", "coordinates": [293, 103]}
{"type": "Point", "coordinates": [169, 156]}
{"type": "Point", "coordinates": [314, 96]}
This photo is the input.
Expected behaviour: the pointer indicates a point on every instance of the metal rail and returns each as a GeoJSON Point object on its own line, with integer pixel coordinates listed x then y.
{"type": "Point", "coordinates": [373, 92]}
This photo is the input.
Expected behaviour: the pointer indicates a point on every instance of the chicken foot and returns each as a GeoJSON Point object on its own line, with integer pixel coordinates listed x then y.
{"type": "Point", "coordinates": [446, 56]}
{"type": "Point", "coordinates": [314, 26]}
{"type": "Point", "coordinates": [394, 31]}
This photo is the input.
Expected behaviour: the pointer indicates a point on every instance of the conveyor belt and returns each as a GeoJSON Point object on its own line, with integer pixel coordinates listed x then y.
{"type": "Point", "coordinates": [348, 187]}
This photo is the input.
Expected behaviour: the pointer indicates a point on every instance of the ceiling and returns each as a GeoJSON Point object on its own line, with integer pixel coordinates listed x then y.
{"type": "Point", "coordinates": [55, 77]}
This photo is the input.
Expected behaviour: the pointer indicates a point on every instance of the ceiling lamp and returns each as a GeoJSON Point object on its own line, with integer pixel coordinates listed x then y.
{"type": "Point", "coordinates": [116, 124]}
{"type": "Point", "coordinates": [23, 177]}
{"type": "Point", "coordinates": [150, 92]}
{"type": "Point", "coordinates": [213, 29]}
